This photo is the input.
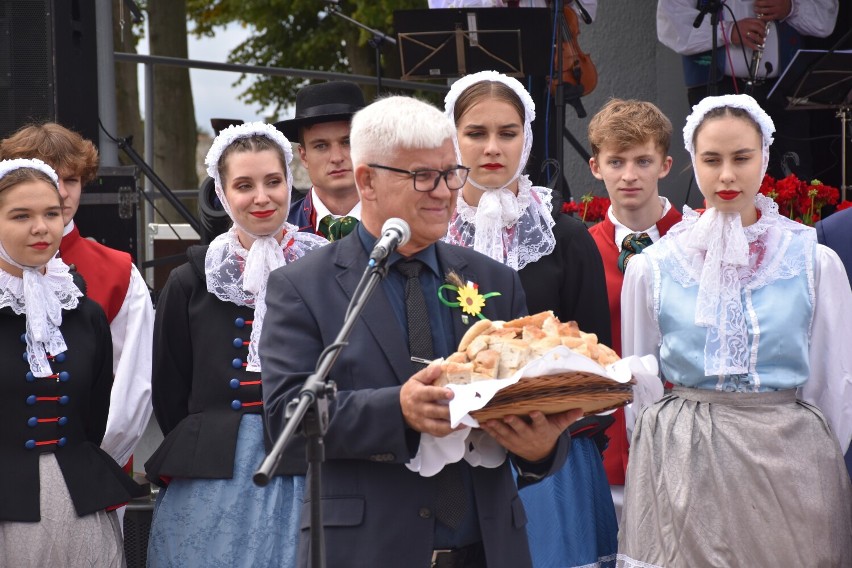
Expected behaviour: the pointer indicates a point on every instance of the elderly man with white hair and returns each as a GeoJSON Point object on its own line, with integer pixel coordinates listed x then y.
{"type": "Point", "coordinates": [376, 510]}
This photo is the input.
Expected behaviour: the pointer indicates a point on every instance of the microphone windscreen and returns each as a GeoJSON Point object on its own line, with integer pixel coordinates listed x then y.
{"type": "Point", "coordinates": [400, 226]}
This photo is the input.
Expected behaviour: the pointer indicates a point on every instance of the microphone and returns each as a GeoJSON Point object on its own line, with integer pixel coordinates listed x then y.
{"type": "Point", "coordinates": [704, 8]}
{"type": "Point", "coordinates": [395, 233]}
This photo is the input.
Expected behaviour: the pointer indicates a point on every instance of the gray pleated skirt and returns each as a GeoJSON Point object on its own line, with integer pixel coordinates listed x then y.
{"type": "Point", "coordinates": [735, 479]}
{"type": "Point", "coordinates": [61, 538]}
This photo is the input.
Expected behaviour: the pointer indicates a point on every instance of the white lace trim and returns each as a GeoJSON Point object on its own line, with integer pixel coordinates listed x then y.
{"type": "Point", "coordinates": [601, 561]}
{"type": "Point", "coordinates": [230, 135]}
{"type": "Point", "coordinates": [467, 81]}
{"type": "Point", "coordinates": [228, 272]}
{"type": "Point", "coordinates": [237, 131]}
{"type": "Point", "coordinates": [744, 102]}
{"type": "Point", "coordinates": [7, 166]}
{"type": "Point", "coordinates": [755, 343]}
{"type": "Point", "coordinates": [624, 561]}
{"type": "Point", "coordinates": [41, 297]}
{"type": "Point", "coordinates": [714, 252]}
{"type": "Point", "coordinates": [513, 230]}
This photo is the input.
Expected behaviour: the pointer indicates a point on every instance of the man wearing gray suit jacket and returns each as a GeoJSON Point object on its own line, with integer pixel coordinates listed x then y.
{"type": "Point", "coordinates": [377, 512]}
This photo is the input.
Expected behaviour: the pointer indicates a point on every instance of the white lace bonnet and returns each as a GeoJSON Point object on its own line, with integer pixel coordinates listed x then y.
{"type": "Point", "coordinates": [40, 296]}
{"type": "Point", "coordinates": [468, 81]}
{"type": "Point", "coordinates": [486, 228]}
{"type": "Point", "coordinates": [233, 133]}
{"type": "Point", "coordinates": [744, 102]}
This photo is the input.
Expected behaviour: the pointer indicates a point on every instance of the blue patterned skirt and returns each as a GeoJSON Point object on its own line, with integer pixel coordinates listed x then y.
{"type": "Point", "coordinates": [570, 516]}
{"type": "Point", "coordinates": [228, 523]}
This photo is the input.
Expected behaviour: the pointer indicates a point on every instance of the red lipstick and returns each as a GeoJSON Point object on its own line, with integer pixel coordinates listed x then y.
{"type": "Point", "coordinates": [728, 194]}
{"type": "Point", "coordinates": [493, 166]}
{"type": "Point", "coordinates": [263, 214]}
{"type": "Point", "coordinates": [40, 245]}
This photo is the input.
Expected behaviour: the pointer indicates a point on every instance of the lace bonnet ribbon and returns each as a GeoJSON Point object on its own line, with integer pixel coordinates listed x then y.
{"type": "Point", "coordinates": [265, 253]}
{"type": "Point", "coordinates": [45, 290]}
{"type": "Point", "coordinates": [726, 249]}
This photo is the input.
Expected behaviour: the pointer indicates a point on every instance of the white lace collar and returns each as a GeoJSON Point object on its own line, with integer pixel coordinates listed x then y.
{"type": "Point", "coordinates": [41, 298]}
{"type": "Point", "coordinates": [722, 257]}
{"type": "Point", "coordinates": [225, 265]}
{"type": "Point", "coordinates": [513, 230]}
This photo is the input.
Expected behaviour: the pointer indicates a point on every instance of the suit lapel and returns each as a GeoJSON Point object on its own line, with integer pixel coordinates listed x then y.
{"type": "Point", "coordinates": [378, 315]}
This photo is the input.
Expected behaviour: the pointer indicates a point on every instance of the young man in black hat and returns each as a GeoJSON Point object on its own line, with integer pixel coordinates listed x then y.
{"type": "Point", "coordinates": [321, 125]}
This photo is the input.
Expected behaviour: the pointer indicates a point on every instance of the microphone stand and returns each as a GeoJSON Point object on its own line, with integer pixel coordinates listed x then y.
{"type": "Point", "coordinates": [310, 409]}
{"type": "Point", "coordinates": [376, 42]}
{"type": "Point", "coordinates": [712, 7]}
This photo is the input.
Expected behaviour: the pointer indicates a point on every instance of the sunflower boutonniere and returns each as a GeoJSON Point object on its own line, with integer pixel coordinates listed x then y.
{"type": "Point", "coordinates": [468, 297]}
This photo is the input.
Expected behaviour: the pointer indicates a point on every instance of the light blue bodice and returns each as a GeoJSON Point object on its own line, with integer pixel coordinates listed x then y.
{"type": "Point", "coordinates": [778, 318]}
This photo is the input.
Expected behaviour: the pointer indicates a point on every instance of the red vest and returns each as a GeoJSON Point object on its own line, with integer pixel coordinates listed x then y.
{"type": "Point", "coordinates": [106, 270]}
{"type": "Point", "coordinates": [615, 456]}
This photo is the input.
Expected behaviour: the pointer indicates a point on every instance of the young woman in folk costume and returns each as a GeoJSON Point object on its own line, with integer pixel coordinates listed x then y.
{"type": "Point", "coordinates": [571, 518]}
{"type": "Point", "coordinates": [740, 465]}
{"type": "Point", "coordinates": [60, 488]}
{"type": "Point", "coordinates": [206, 383]}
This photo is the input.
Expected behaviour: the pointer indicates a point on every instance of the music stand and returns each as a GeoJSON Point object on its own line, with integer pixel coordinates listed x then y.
{"type": "Point", "coordinates": [470, 40]}
{"type": "Point", "coordinates": [816, 80]}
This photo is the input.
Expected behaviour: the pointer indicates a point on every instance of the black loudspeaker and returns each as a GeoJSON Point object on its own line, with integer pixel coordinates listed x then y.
{"type": "Point", "coordinates": [109, 210]}
{"type": "Point", "coordinates": [48, 65]}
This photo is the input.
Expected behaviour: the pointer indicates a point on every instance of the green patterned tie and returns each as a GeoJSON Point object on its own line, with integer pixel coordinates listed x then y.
{"type": "Point", "coordinates": [632, 244]}
{"type": "Point", "coordinates": [336, 228]}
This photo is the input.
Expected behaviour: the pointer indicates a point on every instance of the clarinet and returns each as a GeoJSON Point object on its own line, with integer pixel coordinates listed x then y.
{"type": "Point", "coordinates": [756, 56]}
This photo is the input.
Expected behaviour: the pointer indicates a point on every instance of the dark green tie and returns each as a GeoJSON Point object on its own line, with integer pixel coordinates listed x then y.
{"type": "Point", "coordinates": [336, 228]}
{"type": "Point", "coordinates": [632, 244]}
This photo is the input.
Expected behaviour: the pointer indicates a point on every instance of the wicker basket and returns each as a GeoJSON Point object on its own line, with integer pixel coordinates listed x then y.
{"type": "Point", "coordinates": [551, 394]}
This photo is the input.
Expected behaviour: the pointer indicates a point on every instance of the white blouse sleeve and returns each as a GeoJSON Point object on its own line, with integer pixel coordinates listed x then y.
{"type": "Point", "coordinates": [130, 401]}
{"type": "Point", "coordinates": [813, 17]}
{"type": "Point", "coordinates": [830, 383]}
{"type": "Point", "coordinates": [675, 29]}
{"type": "Point", "coordinates": [640, 332]}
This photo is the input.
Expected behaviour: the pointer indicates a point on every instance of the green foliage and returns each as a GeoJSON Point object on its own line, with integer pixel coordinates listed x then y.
{"type": "Point", "coordinates": [298, 34]}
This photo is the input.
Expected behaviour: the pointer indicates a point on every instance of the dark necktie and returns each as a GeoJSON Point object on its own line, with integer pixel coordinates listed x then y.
{"type": "Point", "coordinates": [336, 228]}
{"type": "Point", "coordinates": [451, 503]}
{"type": "Point", "coordinates": [632, 244]}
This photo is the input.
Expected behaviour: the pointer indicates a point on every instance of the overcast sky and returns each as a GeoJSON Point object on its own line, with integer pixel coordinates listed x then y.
{"type": "Point", "coordinates": [213, 93]}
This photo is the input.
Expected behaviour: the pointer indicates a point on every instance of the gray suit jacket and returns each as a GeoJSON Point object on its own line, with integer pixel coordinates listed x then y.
{"type": "Point", "coordinates": [375, 511]}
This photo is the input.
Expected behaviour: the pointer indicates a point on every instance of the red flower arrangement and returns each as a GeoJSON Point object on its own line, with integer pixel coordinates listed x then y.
{"type": "Point", "coordinates": [800, 200]}
{"type": "Point", "coordinates": [591, 208]}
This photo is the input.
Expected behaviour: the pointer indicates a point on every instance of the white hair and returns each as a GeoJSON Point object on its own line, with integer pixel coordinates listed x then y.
{"type": "Point", "coordinates": [391, 124]}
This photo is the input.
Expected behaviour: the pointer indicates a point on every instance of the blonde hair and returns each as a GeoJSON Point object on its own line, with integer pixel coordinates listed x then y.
{"type": "Point", "coordinates": [625, 123]}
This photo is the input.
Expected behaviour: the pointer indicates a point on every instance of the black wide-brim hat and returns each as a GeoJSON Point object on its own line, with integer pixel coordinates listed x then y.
{"type": "Point", "coordinates": [323, 102]}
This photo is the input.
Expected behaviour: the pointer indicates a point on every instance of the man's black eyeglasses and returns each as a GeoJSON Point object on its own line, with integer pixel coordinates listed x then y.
{"type": "Point", "coordinates": [428, 180]}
